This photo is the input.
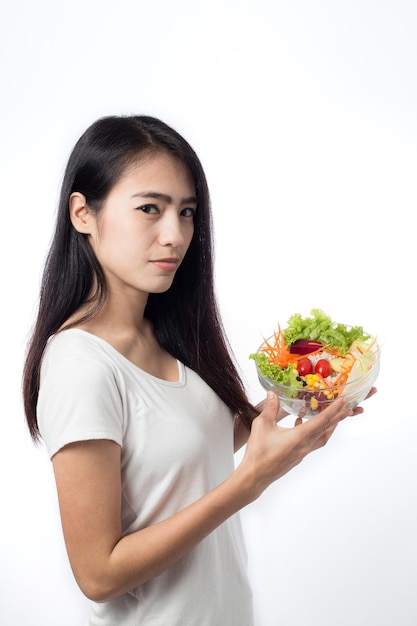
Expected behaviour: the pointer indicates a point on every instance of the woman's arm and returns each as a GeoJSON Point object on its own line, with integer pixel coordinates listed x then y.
{"type": "Point", "coordinates": [107, 564]}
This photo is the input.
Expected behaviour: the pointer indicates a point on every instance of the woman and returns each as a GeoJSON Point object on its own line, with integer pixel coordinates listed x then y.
{"type": "Point", "coordinates": [130, 383]}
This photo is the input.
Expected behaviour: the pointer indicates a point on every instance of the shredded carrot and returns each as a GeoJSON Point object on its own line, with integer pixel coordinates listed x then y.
{"type": "Point", "coordinates": [334, 351]}
{"type": "Point", "coordinates": [279, 354]}
{"type": "Point", "coordinates": [343, 376]}
{"type": "Point", "coordinates": [340, 380]}
{"type": "Point", "coordinates": [323, 381]}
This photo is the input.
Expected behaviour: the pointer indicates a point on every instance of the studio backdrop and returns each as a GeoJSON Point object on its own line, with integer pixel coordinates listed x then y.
{"type": "Point", "coordinates": [304, 116]}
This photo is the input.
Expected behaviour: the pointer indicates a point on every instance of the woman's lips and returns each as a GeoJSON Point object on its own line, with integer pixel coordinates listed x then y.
{"type": "Point", "coordinates": [169, 264]}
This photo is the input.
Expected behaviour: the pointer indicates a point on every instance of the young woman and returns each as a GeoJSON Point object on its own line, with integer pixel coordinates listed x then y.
{"type": "Point", "coordinates": [130, 383]}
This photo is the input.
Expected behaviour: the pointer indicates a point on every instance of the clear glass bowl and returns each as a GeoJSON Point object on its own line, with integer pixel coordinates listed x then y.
{"type": "Point", "coordinates": [306, 402]}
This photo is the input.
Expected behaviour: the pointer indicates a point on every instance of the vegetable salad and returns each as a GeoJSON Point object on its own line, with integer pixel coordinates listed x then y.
{"type": "Point", "coordinates": [314, 355]}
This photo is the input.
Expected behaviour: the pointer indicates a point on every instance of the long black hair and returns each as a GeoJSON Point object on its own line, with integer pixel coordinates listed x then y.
{"type": "Point", "coordinates": [185, 318]}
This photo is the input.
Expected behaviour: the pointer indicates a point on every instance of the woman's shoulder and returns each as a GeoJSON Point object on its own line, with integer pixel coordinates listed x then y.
{"type": "Point", "coordinates": [76, 358]}
{"type": "Point", "coordinates": [75, 342]}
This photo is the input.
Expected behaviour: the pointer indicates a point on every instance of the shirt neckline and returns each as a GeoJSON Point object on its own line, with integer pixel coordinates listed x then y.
{"type": "Point", "coordinates": [108, 346]}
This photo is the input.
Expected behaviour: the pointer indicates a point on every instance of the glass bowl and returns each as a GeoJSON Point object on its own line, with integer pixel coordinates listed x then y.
{"type": "Point", "coordinates": [307, 401]}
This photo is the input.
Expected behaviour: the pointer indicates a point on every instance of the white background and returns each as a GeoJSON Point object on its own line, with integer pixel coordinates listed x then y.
{"type": "Point", "coordinates": [304, 116]}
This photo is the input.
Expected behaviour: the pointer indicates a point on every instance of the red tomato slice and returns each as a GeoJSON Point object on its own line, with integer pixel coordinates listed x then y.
{"type": "Point", "coordinates": [304, 366]}
{"type": "Point", "coordinates": [323, 368]}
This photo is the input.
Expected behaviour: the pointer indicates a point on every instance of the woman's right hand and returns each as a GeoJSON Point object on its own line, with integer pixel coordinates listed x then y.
{"type": "Point", "coordinates": [272, 450]}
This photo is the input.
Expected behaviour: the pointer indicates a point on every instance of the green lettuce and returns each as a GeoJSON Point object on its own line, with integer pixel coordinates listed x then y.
{"type": "Point", "coordinates": [287, 376]}
{"type": "Point", "coordinates": [320, 327]}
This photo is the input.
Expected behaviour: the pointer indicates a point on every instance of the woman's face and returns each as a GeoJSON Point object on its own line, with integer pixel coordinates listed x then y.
{"type": "Point", "coordinates": [146, 225]}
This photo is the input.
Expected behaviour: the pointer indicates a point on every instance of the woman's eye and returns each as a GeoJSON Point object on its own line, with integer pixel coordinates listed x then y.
{"type": "Point", "coordinates": [148, 208]}
{"type": "Point", "coordinates": [188, 212]}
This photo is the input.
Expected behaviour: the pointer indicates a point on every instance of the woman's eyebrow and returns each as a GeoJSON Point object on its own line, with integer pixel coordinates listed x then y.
{"type": "Point", "coordinates": [163, 196]}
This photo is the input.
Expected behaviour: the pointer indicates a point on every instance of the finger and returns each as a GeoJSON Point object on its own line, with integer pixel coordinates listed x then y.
{"type": "Point", "coordinates": [359, 409]}
{"type": "Point", "coordinates": [371, 393]}
{"type": "Point", "coordinates": [281, 413]}
{"type": "Point", "coordinates": [330, 416]}
{"type": "Point", "coordinates": [270, 408]}
{"type": "Point", "coordinates": [260, 406]}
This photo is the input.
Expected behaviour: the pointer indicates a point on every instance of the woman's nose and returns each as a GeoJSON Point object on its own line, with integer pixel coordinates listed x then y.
{"type": "Point", "coordinates": [171, 231]}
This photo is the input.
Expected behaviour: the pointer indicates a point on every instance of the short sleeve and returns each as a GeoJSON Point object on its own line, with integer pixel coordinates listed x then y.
{"type": "Point", "coordinates": [78, 401]}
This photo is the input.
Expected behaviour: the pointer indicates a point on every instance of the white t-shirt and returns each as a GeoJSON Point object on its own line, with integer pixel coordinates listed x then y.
{"type": "Point", "coordinates": [177, 443]}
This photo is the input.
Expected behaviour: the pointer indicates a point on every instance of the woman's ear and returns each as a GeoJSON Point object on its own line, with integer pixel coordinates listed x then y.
{"type": "Point", "coordinates": [80, 215]}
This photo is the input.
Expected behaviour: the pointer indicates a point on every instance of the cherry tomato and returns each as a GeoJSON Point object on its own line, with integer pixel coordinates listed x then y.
{"type": "Point", "coordinates": [323, 368]}
{"type": "Point", "coordinates": [304, 366]}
